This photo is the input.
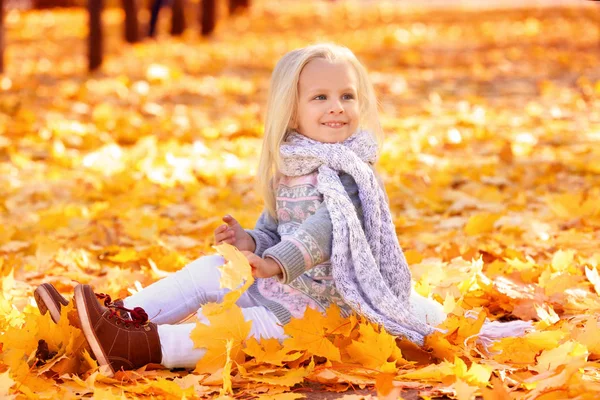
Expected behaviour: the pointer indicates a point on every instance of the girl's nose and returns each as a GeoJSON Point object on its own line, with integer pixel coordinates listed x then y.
{"type": "Point", "coordinates": [336, 108]}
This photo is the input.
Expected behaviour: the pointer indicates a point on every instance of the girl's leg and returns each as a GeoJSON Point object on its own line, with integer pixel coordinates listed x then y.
{"type": "Point", "coordinates": [178, 349]}
{"type": "Point", "coordinates": [426, 310]}
{"type": "Point", "coordinates": [167, 301]}
{"type": "Point", "coordinates": [182, 293]}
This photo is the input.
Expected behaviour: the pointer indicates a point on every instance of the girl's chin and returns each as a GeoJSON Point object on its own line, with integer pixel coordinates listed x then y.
{"type": "Point", "coordinates": [329, 135]}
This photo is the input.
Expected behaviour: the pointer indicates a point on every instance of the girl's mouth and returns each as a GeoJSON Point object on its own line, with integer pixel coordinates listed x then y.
{"type": "Point", "coordinates": [334, 125]}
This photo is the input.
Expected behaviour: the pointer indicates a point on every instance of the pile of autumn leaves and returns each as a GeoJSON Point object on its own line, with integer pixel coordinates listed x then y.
{"type": "Point", "coordinates": [45, 360]}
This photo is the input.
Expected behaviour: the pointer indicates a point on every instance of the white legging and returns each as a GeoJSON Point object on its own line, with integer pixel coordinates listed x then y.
{"type": "Point", "coordinates": [183, 293]}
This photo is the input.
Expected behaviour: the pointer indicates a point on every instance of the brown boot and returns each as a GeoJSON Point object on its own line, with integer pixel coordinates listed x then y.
{"type": "Point", "coordinates": [117, 342]}
{"type": "Point", "coordinates": [49, 300]}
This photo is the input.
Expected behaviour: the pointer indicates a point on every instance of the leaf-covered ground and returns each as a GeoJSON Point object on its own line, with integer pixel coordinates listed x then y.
{"type": "Point", "coordinates": [491, 163]}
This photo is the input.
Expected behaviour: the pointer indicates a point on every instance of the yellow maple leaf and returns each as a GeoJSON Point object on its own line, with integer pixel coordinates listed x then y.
{"type": "Point", "coordinates": [464, 391]}
{"type": "Point", "coordinates": [91, 362]}
{"type": "Point", "coordinates": [236, 271]}
{"type": "Point", "coordinates": [552, 381]}
{"type": "Point", "coordinates": [108, 394]}
{"type": "Point", "coordinates": [593, 277]}
{"type": "Point", "coordinates": [308, 333]}
{"type": "Point", "coordinates": [10, 317]}
{"type": "Point", "coordinates": [570, 205]}
{"type": "Point", "coordinates": [158, 386]}
{"type": "Point", "coordinates": [566, 353]}
{"type": "Point", "coordinates": [228, 324]}
{"type": "Point", "coordinates": [124, 255]}
{"type": "Point", "coordinates": [373, 348]}
{"type": "Point", "coordinates": [476, 374]}
{"type": "Point", "coordinates": [470, 326]}
{"type": "Point", "coordinates": [166, 259]}
{"type": "Point", "coordinates": [588, 335]}
{"type": "Point", "coordinates": [61, 338]}
{"type": "Point", "coordinates": [481, 223]}
{"type": "Point", "coordinates": [8, 282]}
{"type": "Point", "coordinates": [524, 350]}
{"type": "Point", "coordinates": [449, 303]}
{"type": "Point", "coordinates": [497, 392]}
{"type": "Point", "coordinates": [270, 351]}
{"type": "Point", "coordinates": [434, 372]}
{"type": "Point", "coordinates": [236, 274]}
{"type": "Point", "coordinates": [558, 282]}
{"type": "Point", "coordinates": [441, 346]}
{"type": "Point", "coordinates": [563, 260]}
{"type": "Point", "coordinates": [384, 384]}
{"type": "Point", "coordinates": [336, 324]}
{"type": "Point", "coordinates": [282, 377]}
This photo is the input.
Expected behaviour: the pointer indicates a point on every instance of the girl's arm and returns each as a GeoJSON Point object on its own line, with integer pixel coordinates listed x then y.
{"type": "Point", "coordinates": [311, 243]}
{"type": "Point", "coordinates": [265, 233]}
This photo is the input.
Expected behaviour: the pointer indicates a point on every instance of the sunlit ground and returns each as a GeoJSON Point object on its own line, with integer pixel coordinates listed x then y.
{"type": "Point", "coordinates": [492, 128]}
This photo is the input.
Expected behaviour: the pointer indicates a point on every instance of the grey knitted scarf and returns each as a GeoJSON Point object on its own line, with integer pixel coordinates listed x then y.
{"type": "Point", "coordinates": [369, 268]}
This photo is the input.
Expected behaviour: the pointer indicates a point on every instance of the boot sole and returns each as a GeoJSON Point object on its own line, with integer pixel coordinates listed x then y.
{"type": "Point", "coordinates": [46, 304]}
{"type": "Point", "coordinates": [88, 331]}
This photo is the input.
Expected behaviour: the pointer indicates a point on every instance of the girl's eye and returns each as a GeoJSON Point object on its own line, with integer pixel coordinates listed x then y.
{"type": "Point", "coordinates": [347, 96]}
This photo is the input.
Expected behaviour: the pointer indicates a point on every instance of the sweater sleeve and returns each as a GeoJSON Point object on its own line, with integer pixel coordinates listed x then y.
{"type": "Point", "coordinates": [311, 243]}
{"type": "Point", "coordinates": [265, 233]}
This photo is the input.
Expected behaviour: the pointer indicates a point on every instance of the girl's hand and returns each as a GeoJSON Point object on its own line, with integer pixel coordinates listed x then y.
{"type": "Point", "coordinates": [262, 267]}
{"type": "Point", "coordinates": [234, 234]}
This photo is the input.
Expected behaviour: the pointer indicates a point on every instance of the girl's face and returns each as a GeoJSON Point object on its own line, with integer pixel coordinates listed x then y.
{"type": "Point", "coordinates": [327, 101]}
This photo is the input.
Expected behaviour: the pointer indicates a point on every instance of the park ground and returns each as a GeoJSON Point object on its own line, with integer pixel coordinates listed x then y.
{"type": "Point", "coordinates": [118, 177]}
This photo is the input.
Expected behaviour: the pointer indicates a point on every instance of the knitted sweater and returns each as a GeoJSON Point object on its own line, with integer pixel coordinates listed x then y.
{"type": "Point", "coordinates": [300, 242]}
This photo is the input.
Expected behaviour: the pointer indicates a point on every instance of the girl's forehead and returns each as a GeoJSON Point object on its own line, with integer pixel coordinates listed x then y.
{"type": "Point", "coordinates": [321, 72]}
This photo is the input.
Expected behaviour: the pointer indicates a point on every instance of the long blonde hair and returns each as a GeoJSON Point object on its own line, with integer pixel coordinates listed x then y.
{"type": "Point", "coordinates": [283, 102]}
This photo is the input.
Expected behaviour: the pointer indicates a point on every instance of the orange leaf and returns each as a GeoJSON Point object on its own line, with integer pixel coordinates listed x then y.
{"type": "Point", "coordinates": [308, 333]}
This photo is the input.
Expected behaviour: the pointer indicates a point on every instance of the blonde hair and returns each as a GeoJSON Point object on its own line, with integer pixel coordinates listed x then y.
{"type": "Point", "coordinates": [283, 101]}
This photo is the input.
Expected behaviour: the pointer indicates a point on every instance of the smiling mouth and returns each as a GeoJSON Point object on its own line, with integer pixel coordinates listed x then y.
{"type": "Point", "coordinates": [334, 124]}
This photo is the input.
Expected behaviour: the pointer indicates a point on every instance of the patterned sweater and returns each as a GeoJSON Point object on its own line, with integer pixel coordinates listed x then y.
{"type": "Point", "coordinates": [300, 242]}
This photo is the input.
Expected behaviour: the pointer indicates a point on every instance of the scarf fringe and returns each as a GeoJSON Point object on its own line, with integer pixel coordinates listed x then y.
{"type": "Point", "coordinates": [492, 331]}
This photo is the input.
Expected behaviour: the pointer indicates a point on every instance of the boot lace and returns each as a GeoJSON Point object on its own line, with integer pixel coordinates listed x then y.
{"type": "Point", "coordinates": [138, 315]}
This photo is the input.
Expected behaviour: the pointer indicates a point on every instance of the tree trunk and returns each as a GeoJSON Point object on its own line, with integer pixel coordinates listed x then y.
{"type": "Point", "coordinates": [208, 17]}
{"type": "Point", "coordinates": [238, 5]}
{"type": "Point", "coordinates": [1, 36]}
{"type": "Point", "coordinates": [46, 4]}
{"type": "Point", "coordinates": [95, 34]}
{"type": "Point", "coordinates": [132, 28]}
{"type": "Point", "coordinates": [177, 17]}
{"type": "Point", "coordinates": [155, 6]}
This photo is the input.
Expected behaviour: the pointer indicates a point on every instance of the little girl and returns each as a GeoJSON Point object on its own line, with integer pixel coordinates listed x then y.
{"type": "Point", "coordinates": [325, 237]}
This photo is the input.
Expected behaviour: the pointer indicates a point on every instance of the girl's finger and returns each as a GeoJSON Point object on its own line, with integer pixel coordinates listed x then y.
{"type": "Point", "coordinates": [221, 236]}
{"type": "Point", "coordinates": [230, 220]}
{"type": "Point", "coordinates": [222, 228]}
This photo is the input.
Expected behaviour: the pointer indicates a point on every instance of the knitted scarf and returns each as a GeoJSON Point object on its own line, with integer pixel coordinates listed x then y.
{"type": "Point", "coordinates": [368, 266]}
